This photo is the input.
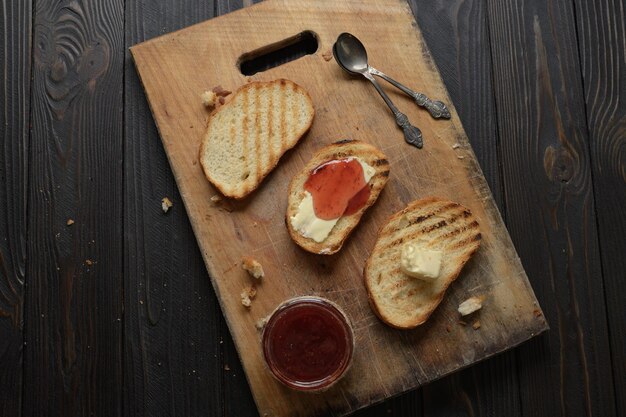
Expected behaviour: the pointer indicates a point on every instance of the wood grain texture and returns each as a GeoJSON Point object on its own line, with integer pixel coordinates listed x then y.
{"type": "Point", "coordinates": [179, 359]}
{"type": "Point", "coordinates": [73, 319]}
{"type": "Point", "coordinates": [602, 50]}
{"type": "Point", "coordinates": [550, 207]}
{"type": "Point", "coordinates": [489, 388]}
{"type": "Point", "coordinates": [15, 55]}
{"type": "Point", "coordinates": [174, 70]}
{"type": "Point", "coordinates": [457, 34]}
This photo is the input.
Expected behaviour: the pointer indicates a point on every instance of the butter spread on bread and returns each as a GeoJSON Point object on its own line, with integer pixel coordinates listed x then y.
{"type": "Point", "coordinates": [308, 224]}
{"type": "Point", "coordinates": [342, 214]}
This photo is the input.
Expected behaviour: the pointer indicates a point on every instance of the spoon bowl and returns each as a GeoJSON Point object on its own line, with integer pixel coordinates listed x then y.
{"type": "Point", "coordinates": [350, 54]}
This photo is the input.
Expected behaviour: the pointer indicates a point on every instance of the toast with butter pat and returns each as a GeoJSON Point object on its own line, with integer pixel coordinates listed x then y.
{"type": "Point", "coordinates": [247, 135]}
{"type": "Point", "coordinates": [431, 224]}
{"type": "Point", "coordinates": [352, 158]}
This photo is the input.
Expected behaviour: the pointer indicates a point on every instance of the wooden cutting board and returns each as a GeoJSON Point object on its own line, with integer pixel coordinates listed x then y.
{"type": "Point", "coordinates": [176, 68]}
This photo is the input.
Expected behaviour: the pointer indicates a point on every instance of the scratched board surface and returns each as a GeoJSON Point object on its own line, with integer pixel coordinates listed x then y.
{"type": "Point", "coordinates": [176, 68]}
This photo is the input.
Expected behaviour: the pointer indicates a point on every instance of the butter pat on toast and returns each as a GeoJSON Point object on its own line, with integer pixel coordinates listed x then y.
{"type": "Point", "coordinates": [403, 301]}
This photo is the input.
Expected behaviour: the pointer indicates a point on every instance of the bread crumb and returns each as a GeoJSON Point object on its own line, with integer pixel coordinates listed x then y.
{"type": "Point", "coordinates": [471, 305]}
{"type": "Point", "coordinates": [253, 267]}
{"type": "Point", "coordinates": [476, 325]}
{"type": "Point", "coordinates": [70, 222]}
{"type": "Point", "coordinates": [462, 323]}
{"type": "Point", "coordinates": [166, 204]}
{"type": "Point", "coordinates": [226, 367]}
{"type": "Point", "coordinates": [328, 55]}
{"type": "Point", "coordinates": [245, 300]}
{"type": "Point", "coordinates": [260, 323]}
{"type": "Point", "coordinates": [208, 98]}
{"type": "Point", "coordinates": [460, 156]}
{"type": "Point", "coordinates": [537, 312]}
{"type": "Point", "coordinates": [89, 262]}
{"type": "Point", "coordinates": [216, 199]}
{"type": "Point", "coordinates": [247, 295]}
{"type": "Point", "coordinates": [456, 146]}
{"type": "Point", "coordinates": [249, 291]}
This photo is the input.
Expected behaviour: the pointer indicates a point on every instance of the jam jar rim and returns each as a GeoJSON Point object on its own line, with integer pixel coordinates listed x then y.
{"type": "Point", "coordinates": [328, 381]}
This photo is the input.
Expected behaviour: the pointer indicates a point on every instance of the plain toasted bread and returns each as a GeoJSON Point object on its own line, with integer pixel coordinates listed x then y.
{"type": "Point", "coordinates": [338, 150]}
{"type": "Point", "coordinates": [246, 136]}
{"type": "Point", "coordinates": [402, 301]}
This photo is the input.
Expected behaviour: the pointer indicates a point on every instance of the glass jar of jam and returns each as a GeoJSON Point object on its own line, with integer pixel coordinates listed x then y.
{"type": "Point", "coordinates": [308, 343]}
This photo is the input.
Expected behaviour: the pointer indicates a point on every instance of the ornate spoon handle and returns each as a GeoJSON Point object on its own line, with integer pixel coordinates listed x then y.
{"type": "Point", "coordinates": [436, 109]}
{"type": "Point", "coordinates": [412, 134]}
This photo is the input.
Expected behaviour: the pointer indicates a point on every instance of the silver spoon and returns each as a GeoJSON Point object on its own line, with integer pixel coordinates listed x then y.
{"type": "Point", "coordinates": [352, 57]}
{"type": "Point", "coordinates": [358, 65]}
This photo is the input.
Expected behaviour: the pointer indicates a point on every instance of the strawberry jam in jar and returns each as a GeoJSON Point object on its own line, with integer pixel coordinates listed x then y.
{"type": "Point", "coordinates": [308, 343]}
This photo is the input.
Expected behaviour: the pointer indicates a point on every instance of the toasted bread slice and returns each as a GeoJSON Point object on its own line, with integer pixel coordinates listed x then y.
{"type": "Point", "coordinates": [402, 301]}
{"type": "Point", "coordinates": [338, 150]}
{"type": "Point", "coordinates": [246, 136]}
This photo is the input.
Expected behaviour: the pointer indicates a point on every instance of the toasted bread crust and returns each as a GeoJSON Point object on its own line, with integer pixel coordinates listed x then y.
{"type": "Point", "coordinates": [403, 302]}
{"type": "Point", "coordinates": [257, 132]}
{"type": "Point", "coordinates": [345, 225]}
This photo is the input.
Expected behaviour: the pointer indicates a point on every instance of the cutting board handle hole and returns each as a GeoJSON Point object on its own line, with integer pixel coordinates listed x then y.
{"type": "Point", "coordinates": [279, 53]}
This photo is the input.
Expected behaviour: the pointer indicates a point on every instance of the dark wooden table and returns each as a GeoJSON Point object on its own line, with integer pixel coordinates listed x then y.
{"type": "Point", "coordinates": [115, 315]}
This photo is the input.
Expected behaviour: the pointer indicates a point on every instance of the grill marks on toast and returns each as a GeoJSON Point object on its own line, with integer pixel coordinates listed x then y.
{"type": "Point", "coordinates": [281, 110]}
{"type": "Point", "coordinates": [247, 135]}
{"type": "Point", "coordinates": [380, 162]}
{"type": "Point", "coordinates": [405, 302]}
{"type": "Point", "coordinates": [444, 228]}
{"type": "Point", "coordinates": [434, 226]}
{"type": "Point", "coordinates": [273, 123]}
{"type": "Point", "coordinates": [290, 120]}
{"type": "Point", "coordinates": [253, 133]}
{"type": "Point", "coordinates": [270, 127]}
{"type": "Point", "coordinates": [246, 143]}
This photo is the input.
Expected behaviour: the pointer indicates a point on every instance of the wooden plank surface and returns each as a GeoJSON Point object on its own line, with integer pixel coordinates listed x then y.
{"type": "Point", "coordinates": [15, 53]}
{"type": "Point", "coordinates": [549, 205]}
{"type": "Point", "coordinates": [602, 47]}
{"type": "Point", "coordinates": [73, 331]}
{"type": "Point", "coordinates": [186, 60]}
{"type": "Point", "coordinates": [170, 368]}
